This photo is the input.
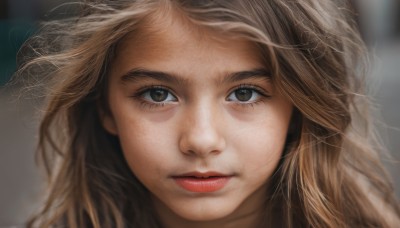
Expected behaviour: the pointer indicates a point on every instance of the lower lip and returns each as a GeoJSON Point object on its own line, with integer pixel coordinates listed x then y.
{"type": "Point", "coordinates": [202, 185]}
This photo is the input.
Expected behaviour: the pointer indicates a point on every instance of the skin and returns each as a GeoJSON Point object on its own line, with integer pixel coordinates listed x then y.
{"type": "Point", "coordinates": [200, 126]}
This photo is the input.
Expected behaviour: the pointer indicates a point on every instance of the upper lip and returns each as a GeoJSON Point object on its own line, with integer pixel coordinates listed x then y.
{"type": "Point", "coordinates": [202, 174]}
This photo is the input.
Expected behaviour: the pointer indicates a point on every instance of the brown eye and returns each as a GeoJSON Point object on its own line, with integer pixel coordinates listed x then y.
{"type": "Point", "coordinates": [247, 94]}
{"type": "Point", "coordinates": [158, 95]}
{"type": "Point", "coordinates": [243, 94]}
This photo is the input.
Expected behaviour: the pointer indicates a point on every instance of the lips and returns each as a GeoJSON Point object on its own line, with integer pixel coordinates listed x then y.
{"type": "Point", "coordinates": [202, 182]}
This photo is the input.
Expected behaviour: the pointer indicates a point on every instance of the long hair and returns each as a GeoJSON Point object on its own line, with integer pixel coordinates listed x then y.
{"type": "Point", "coordinates": [330, 174]}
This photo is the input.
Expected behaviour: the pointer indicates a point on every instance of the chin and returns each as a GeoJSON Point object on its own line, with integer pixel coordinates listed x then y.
{"type": "Point", "coordinates": [203, 216]}
{"type": "Point", "coordinates": [204, 210]}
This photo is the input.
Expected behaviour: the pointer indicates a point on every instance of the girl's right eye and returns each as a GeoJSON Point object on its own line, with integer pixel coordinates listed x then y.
{"type": "Point", "coordinates": [157, 95]}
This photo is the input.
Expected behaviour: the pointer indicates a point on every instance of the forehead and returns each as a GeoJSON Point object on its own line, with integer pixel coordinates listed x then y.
{"type": "Point", "coordinates": [170, 40]}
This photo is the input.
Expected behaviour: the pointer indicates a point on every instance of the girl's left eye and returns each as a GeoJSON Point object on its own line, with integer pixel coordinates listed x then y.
{"type": "Point", "coordinates": [158, 95]}
{"type": "Point", "coordinates": [244, 95]}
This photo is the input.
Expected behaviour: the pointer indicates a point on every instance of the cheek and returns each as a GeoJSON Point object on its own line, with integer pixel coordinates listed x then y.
{"type": "Point", "coordinates": [145, 146]}
{"type": "Point", "coordinates": [260, 145]}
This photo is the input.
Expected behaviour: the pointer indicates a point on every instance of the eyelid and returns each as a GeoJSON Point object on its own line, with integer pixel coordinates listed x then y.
{"type": "Point", "coordinates": [148, 104]}
{"type": "Point", "coordinates": [145, 89]}
{"type": "Point", "coordinates": [256, 88]}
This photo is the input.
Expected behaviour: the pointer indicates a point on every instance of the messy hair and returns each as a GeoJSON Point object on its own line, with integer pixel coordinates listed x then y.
{"type": "Point", "coordinates": [330, 174]}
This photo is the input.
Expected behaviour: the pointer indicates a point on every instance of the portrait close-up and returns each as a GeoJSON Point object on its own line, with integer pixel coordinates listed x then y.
{"type": "Point", "coordinates": [200, 113]}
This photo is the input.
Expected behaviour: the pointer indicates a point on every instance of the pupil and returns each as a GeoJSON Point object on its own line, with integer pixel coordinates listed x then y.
{"type": "Point", "coordinates": [243, 94]}
{"type": "Point", "coordinates": [158, 95]}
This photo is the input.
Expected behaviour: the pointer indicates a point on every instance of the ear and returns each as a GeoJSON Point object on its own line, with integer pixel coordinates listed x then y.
{"type": "Point", "coordinates": [109, 124]}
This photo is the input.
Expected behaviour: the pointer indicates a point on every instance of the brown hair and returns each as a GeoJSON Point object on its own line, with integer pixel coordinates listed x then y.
{"type": "Point", "coordinates": [330, 174]}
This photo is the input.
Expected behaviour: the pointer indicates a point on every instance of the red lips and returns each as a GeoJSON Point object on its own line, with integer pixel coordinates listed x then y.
{"type": "Point", "coordinates": [202, 182]}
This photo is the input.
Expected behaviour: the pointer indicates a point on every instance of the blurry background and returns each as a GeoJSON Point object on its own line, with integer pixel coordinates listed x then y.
{"type": "Point", "coordinates": [19, 178]}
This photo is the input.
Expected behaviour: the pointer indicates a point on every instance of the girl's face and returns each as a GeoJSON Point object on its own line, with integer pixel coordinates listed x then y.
{"type": "Point", "coordinates": [199, 121]}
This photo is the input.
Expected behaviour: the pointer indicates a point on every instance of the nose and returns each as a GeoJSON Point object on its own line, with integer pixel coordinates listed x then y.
{"type": "Point", "coordinates": [202, 132]}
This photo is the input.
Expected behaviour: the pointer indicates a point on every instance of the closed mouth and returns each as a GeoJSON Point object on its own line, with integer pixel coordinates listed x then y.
{"type": "Point", "coordinates": [201, 177]}
{"type": "Point", "coordinates": [202, 182]}
{"type": "Point", "coordinates": [209, 174]}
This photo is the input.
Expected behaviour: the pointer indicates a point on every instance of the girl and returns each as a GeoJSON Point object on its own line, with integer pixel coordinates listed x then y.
{"type": "Point", "coordinates": [179, 113]}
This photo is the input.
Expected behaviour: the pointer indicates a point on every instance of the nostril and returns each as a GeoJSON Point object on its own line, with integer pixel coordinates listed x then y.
{"type": "Point", "coordinates": [201, 145]}
{"type": "Point", "coordinates": [201, 132]}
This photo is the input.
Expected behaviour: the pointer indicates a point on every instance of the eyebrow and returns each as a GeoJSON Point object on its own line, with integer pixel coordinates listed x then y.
{"type": "Point", "coordinates": [249, 74]}
{"type": "Point", "coordinates": [137, 74]}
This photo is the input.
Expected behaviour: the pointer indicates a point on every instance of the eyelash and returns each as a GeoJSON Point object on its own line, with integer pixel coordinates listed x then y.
{"type": "Point", "coordinates": [148, 104]}
{"type": "Point", "coordinates": [264, 94]}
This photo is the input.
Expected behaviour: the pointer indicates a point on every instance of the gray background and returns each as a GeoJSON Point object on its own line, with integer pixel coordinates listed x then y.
{"type": "Point", "coordinates": [20, 181]}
